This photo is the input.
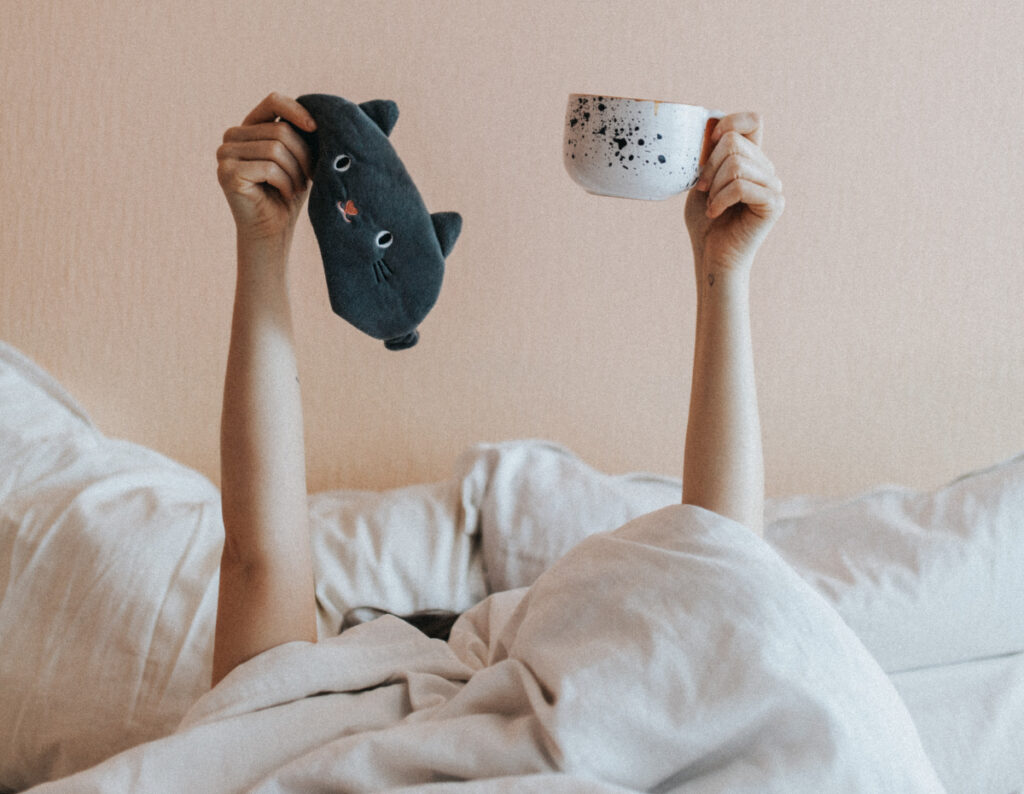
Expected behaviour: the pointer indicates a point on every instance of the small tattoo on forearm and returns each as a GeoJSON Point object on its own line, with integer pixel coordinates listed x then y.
{"type": "Point", "coordinates": [711, 279]}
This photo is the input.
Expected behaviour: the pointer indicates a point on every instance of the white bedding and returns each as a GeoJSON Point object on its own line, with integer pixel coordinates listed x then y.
{"type": "Point", "coordinates": [970, 717]}
{"type": "Point", "coordinates": [108, 557]}
{"type": "Point", "coordinates": [677, 653]}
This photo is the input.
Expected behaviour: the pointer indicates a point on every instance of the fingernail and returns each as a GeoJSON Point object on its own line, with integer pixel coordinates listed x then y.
{"type": "Point", "coordinates": [310, 125]}
{"type": "Point", "coordinates": [702, 184]}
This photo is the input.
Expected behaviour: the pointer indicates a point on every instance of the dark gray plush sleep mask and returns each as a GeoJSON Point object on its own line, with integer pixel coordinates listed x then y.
{"type": "Point", "coordinates": [383, 251]}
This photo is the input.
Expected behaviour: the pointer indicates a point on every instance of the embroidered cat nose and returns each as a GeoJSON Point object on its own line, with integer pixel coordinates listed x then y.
{"type": "Point", "coordinates": [348, 209]}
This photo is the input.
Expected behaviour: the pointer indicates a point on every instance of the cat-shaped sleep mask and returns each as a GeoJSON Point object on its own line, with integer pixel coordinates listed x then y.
{"type": "Point", "coordinates": [383, 251]}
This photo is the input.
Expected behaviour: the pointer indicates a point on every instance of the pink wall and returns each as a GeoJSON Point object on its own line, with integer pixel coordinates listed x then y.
{"type": "Point", "coordinates": [887, 304]}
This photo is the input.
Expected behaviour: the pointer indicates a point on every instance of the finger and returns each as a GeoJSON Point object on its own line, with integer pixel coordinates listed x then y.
{"type": "Point", "coordinates": [738, 166]}
{"type": "Point", "coordinates": [271, 151]}
{"type": "Point", "coordinates": [732, 143]}
{"type": "Point", "coordinates": [760, 200]}
{"type": "Point", "coordinates": [244, 175]}
{"type": "Point", "coordinates": [750, 125]}
{"type": "Point", "coordinates": [275, 106]}
{"type": "Point", "coordinates": [279, 131]}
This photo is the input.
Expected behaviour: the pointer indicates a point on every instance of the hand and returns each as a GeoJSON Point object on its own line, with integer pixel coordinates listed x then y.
{"type": "Point", "coordinates": [737, 199]}
{"type": "Point", "coordinates": [263, 167]}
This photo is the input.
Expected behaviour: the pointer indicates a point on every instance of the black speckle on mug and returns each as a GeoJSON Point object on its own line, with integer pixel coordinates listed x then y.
{"type": "Point", "coordinates": [621, 143]}
{"type": "Point", "coordinates": [661, 158]}
{"type": "Point", "coordinates": [601, 105]}
{"type": "Point", "coordinates": [602, 131]}
{"type": "Point", "coordinates": [659, 136]}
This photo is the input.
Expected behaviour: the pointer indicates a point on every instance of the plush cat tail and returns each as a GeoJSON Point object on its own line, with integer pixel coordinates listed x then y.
{"type": "Point", "coordinates": [384, 113]}
{"type": "Point", "coordinates": [447, 226]}
{"type": "Point", "coordinates": [402, 342]}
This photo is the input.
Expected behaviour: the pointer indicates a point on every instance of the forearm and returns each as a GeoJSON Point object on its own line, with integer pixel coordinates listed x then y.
{"type": "Point", "coordinates": [266, 585]}
{"type": "Point", "coordinates": [723, 464]}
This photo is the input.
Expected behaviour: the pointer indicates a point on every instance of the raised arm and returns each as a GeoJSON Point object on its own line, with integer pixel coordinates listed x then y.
{"type": "Point", "coordinates": [728, 214]}
{"type": "Point", "coordinates": [266, 577]}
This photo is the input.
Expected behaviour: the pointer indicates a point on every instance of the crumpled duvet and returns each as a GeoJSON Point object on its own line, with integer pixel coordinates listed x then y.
{"type": "Point", "coordinates": [678, 653]}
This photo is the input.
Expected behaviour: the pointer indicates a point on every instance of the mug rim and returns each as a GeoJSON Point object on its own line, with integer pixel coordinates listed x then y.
{"type": "Point", "coordinates": [637, 99]}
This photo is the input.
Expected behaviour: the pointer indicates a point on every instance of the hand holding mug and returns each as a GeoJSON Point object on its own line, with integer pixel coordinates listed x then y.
{"type": "Point", "coordinates": [644, 149]}
{"type": "Point", "coordinates": [737, 197]}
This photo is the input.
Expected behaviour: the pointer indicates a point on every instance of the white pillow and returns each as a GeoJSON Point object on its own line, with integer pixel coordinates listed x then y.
{"type": "Point", "coordinates": [108, 558]}
{"type": "Point", "coordinates": [536, 500]}
{"type": "Point", "coordinates": [923, 578]}
{"type": "Point", "coordinates": [401, 550]}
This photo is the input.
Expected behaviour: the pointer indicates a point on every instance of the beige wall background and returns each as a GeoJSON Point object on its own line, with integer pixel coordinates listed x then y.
{"type": "Point", "coordinates": [887, 304]}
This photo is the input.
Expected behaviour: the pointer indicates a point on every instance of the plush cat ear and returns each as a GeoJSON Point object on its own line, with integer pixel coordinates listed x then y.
{"type": "Point", "coordinates": [447, 226]}
{"type": "Point", "coordinates": [384, 113]}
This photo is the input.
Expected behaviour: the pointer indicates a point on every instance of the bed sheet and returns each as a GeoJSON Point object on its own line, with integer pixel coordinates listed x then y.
{"type": "Point", "coordinates": [970, 718]}
{"type": "Point", "coordinates": [612, 671]}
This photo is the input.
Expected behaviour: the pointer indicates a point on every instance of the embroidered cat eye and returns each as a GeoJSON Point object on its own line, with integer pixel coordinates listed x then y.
{"type": "Point", "coordinates": [342, 163]}
{"type": "Point", "coordinates": [384, 239]}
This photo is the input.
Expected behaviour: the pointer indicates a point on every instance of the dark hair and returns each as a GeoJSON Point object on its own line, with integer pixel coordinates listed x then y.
{"type": "Point", "coordinates": [435, 623]}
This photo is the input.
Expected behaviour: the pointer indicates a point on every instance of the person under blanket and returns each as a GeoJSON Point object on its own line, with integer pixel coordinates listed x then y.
{"type": "Point", "coordinates": [266, 596]}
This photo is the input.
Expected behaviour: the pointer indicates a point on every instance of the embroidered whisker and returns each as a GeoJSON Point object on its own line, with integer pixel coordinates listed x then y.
{"type": "Point", "coordinates": [381, 271]}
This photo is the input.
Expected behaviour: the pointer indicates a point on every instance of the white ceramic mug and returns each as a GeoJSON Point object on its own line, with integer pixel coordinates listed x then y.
{"type": "Point", "coordinates": [635, 148]}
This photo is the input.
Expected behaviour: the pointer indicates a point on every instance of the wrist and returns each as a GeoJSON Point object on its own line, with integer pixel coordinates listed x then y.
{"type": "Point", "coordinates": [263, 253]}
{"type": "Point", "coordinates": [709, 263]}
{"type": "Point", "coordinates": [711, 273]}
{"type": "Point", "coordinates": [722, 293]}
